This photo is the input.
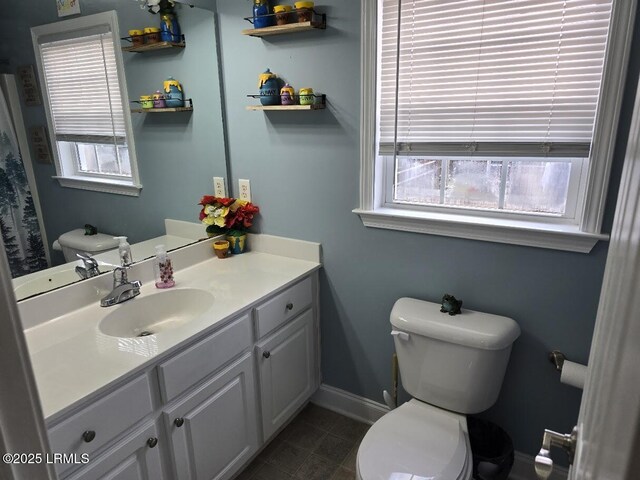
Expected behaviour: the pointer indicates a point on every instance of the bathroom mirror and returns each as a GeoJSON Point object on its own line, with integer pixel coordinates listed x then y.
{"type": "Point", "coordinates": [178, 153]}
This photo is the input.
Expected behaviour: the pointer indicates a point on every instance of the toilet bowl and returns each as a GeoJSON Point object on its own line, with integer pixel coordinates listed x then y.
{"type": "Point", "coordinates": [416, 441]}
{"type": "Point", "coordinates": [451, 366]}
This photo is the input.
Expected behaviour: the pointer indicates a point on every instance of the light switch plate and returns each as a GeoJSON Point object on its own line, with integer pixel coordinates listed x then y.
{"type": "Point", "coordinates": [244, 188]}
{"type": "Point", "coordinates": [219, 189]}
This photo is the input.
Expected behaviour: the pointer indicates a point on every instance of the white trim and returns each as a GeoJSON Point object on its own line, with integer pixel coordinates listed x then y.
{"type": "Point", "coordinates": [13, 100]}
{"type": "Point", "coordinates": [368, 411]}
{"type": "Point", "coordinates": [368, 66]}
{"type": "Point", "coordinates": [614, 77]}
{"type": "Point", "coordinates": [609, 420]}
{"type": "Point", "coordinates": [531, 234]}
{"type": "Point", "coordinates": [102, 185]}
{"type": "Point", "coordinates": [110, 19]}
{"type": "Point", "coordinates": [583, 238]}
{"type": "Point", "coordinates": [22, 428]}
{"type": "Point", "coordinates": [348, 404]}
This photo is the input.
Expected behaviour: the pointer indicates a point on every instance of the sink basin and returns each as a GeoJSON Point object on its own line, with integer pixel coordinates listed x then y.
{"type": "Point", "coordinates": [159, 312]}
{"type": "Point", "coordinates": [44, 281]}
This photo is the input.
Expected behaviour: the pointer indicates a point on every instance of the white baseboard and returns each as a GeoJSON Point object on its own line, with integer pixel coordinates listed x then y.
{"type": "Point", "coordinates": [348, 404]}
{"type": "Point", "coordinates": [368, 411]}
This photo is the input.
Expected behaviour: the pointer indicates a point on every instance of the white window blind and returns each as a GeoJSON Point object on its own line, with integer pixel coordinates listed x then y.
{"type": "Point", "coordinates": [83, 89]}
{"type": "Point", "coordinates": [493, 76]}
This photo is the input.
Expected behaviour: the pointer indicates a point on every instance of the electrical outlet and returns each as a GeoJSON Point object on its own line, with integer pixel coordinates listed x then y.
{"type": "Point", "coordinates": [244, 188]}
{"type": "Point", "coordinates": [219, 189]}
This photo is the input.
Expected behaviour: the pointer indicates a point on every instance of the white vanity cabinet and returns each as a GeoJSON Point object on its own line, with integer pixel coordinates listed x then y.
{"type": "Point", "coordinates": [202, 411]}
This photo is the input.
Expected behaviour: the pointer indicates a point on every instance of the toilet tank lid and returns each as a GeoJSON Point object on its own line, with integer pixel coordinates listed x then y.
{"type": "Point", "coordinates": [77, 240]}
{"type": "Point", "coordinates": [469, 328]}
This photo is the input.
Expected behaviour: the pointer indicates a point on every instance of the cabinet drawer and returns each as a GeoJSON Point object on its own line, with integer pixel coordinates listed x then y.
{"type": "Point", "coordinates": [134, 458]}
{"type": "Point", "coordinates": [283, 307]}
{"type": "Point", "coordinates": [204, 358]}
{"type": "Point", "coordinates": [106, 418]}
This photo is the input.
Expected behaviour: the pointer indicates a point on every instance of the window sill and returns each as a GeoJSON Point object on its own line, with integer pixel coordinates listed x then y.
{"type": "Point", "coordinates": [532, 234]}
{"type": "Point", "coordinates": [118, 187]}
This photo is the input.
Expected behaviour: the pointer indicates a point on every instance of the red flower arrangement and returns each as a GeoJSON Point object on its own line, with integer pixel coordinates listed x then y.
{"type": "Point", "coordinates": [229, 216]}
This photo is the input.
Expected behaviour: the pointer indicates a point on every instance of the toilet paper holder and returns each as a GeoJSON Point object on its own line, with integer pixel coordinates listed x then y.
{"type": "Point", "coordinates": [557, 358]}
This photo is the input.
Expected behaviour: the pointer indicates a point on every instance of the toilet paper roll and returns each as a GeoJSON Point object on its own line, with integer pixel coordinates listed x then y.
{"type": "Point", "coordinates": [573, 374]}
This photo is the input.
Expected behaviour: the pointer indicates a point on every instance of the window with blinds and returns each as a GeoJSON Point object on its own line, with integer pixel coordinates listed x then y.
{"type": "Point", "coordinates": [85, 101]}
{"type": "Point", "coordinates": [489, 104]}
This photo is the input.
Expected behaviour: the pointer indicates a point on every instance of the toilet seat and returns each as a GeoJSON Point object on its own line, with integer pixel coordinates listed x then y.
{"type": "Point", "coordinates": [416, 441]}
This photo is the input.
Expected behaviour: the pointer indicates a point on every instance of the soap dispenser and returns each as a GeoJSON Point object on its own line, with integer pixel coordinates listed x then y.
{"type": "Point", "coordinates": [124, 251]}
{"type": "Point", "coordinates": [163, 269]}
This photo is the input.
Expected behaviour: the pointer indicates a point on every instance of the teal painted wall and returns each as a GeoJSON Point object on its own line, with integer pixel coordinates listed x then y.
{"type": "Point", "coordinates": [304, 169]}
{"type": "Point", "coordinates": [178, 154]}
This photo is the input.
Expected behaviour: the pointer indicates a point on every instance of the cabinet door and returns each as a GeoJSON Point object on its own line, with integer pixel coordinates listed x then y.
{"type": "Point", "coordinates": [213, 430]}
{"type": "Point", "coordinates": [286, 365]}
{"type": "Point", "coordinates": [135, 458]}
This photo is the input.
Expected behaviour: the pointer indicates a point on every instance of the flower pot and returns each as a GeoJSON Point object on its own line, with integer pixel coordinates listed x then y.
{"type": "Point", "coordinates": [237, 244]}
{"type": "Point", "coordinates": [221, 248]}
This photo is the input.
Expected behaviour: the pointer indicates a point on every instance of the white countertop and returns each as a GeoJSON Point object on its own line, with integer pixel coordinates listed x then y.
{"type": "Point", "coordinates": [72, 359]}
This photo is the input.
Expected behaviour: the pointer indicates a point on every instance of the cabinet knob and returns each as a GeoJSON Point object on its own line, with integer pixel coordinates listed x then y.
{"type": "Point", "coordinates": [88, 436]}
{"type": "Point", "coordinates": [152, 442]}
{"type": "Point", "coordinates": [266, 354]}
{"type": "Point", "coordinates": [178, 422]}
{"type": "Point", "coordinates": [289, 306]}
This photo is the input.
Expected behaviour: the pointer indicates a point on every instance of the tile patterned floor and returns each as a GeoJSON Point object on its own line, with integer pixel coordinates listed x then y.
{"type": "Point", "coordinates": [318, 445]}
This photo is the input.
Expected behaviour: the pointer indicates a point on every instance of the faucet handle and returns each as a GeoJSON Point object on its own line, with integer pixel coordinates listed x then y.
{"type": "Point", "coordinates": [120, 276]}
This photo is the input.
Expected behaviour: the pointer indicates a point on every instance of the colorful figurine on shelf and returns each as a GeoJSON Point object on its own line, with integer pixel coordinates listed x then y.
{"type": "Point", "coordinates": [170, 28]}
{"type": "Point", "coordinates": [173, 95]}
{"type": "Point", "coordinates": [261, 14]}
{"type": "Point", "coordinates": [269, 88]}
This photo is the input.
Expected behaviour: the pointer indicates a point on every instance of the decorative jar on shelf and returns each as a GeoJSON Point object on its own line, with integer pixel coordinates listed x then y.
{"type": "Point", "coordinates": [283, 14]}
{"type": "Point", "coordinates": [269, 91]}
{"type": "Point", "coordinates": [261, 17]}
{"type": "Point", "coordinates": [304, 11]}
{"type": "Point", "coordinates": [173, 94]}
{"type": "Point", "coordinates": [307, 97]}
{"type": "Point", "coordinates": [158, 100]}
{"type": "Point", "coordinates": [146, 101]}
{"type": "Point", "coordinates": [169, 28]}
{"type": "Point", "coordinates": [287, 95]}
{"type": "Point", "coordinates": [152, 34]}
{"type": "Point", "coordinates": [137, 37]}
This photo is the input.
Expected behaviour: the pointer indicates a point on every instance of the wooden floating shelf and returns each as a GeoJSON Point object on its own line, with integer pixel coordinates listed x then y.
{"type": "Point", "coordinates": [282, 29]}
{"type": "Point", "coordinates": [149, 47]}
{"type": "Point", "coordinates": [161, 110]}
{"type": "Point", "coordinates": [317, 106]}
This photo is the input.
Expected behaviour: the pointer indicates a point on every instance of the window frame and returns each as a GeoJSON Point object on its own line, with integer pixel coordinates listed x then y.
{"type": "Point", "coordinates": [539, 232]}
{"type": "Point", "coordinates": [67, 174]}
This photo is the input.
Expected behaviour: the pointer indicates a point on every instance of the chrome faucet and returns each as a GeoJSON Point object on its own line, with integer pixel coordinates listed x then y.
{"type": "Point", "coordinates": [123, 289]}
{"type": "Point", "coordinates": [90, 268]}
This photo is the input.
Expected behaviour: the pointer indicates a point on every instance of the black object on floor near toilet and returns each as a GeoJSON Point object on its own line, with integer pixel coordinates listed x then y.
{"type": "Point", "coordinates": [492, 450]}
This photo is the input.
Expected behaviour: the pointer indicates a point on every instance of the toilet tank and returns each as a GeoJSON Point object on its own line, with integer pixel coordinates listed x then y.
{"type": "Point", "coordinates": [454, 362]}
{"type": "Point", "coordinates": [76, 241]}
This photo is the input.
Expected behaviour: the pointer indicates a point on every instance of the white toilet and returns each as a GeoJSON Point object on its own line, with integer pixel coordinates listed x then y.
{"type": "Point", "coordinates": [451, 366]}
{"type": "Point", "coordinates": [76, 241]}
